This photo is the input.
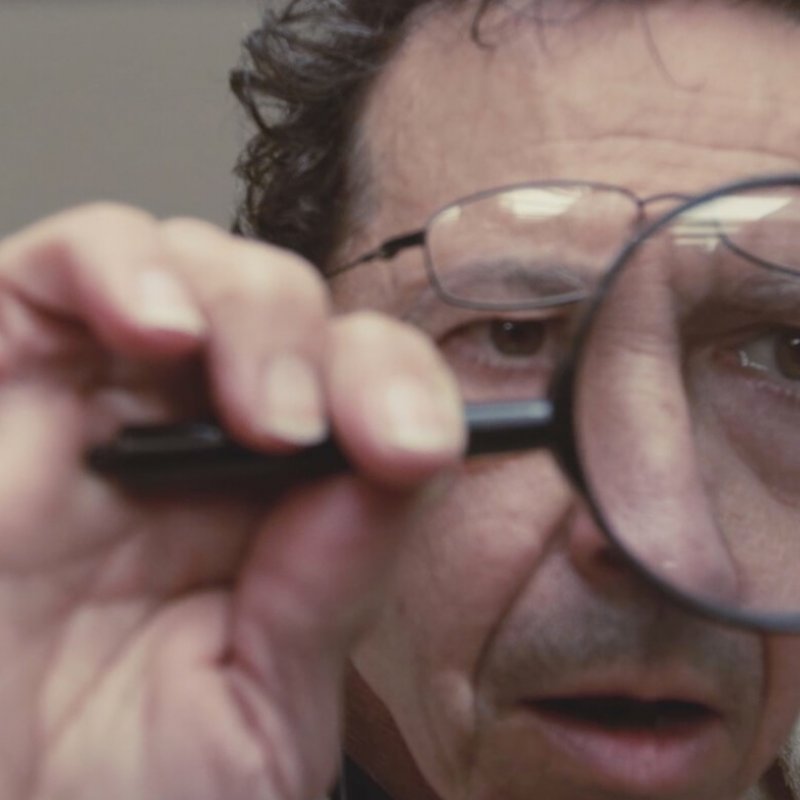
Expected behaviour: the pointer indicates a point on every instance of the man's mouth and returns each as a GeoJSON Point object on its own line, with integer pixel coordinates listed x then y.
{"type": "Point", "coordinates": [620, 713]}
{"type": "Point", "coordinates": [630, 744]}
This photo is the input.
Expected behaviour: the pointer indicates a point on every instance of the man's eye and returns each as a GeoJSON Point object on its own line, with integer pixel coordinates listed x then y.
{"type": "Point", "coordinates": [517, 338]}
{"type": "Point", "coordinates": [777, 353]}
{"type": "Point", "coordinates": [501, 344]}
{"type": "Point", "coordinates": [499, 341]}
{"type": "Point", "coordinates": [787, 354]}
{"type": "Point", "coordinates": [502, 358]}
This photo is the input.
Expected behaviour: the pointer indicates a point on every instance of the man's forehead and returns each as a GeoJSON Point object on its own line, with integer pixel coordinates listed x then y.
{"type": "Point", "coordinates": [584, 99]}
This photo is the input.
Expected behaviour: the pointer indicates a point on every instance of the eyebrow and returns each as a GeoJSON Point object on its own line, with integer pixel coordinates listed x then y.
{"type": "Point", "coordinates": [775, 292]}
{"type": "Point", "coordinates": [559, 279]}
{"type": "Point", "coordinates": [522, 273]}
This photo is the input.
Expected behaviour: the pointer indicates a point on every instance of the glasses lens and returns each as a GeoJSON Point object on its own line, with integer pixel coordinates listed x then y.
{"type": "Point", "coordinates": [506, 273]}
{"type": "Point", "coordinates": [527, 245]}
{"type": "Point", "coordinates": [687, 404]}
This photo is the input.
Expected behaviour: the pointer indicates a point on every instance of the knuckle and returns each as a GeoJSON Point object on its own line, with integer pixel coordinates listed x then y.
{"type": "Point", "coordinates": [385, 342]}
{"type": "Point", "coordinates": [380, 329]}
{"type": "Point", "coordinates": [90, 237]}
{"type": "Point", "coordinates": [279, 279]}
{"type": "Point", "coordinates": [195, 244]}
{"type": "Point", "coordinates": [237, 268]}
{"type": "Point", "coordinates": [87, 226]}
{"type": "Point", "coordinates": [189, 233]}
{"type": "Point", "coordinates": [292, 275]}
{"type": "Point", "coordinates": [111, 214]}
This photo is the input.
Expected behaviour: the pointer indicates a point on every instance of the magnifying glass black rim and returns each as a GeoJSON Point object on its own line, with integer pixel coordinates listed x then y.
{"type": "Point", "coordinates": [564, 401]}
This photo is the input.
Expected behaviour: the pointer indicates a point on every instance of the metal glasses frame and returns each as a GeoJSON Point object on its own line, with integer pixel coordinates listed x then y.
{"type": "Point", "coordinates": [563, 397]}
{"type": "Point", "coordinates": [392, 247]}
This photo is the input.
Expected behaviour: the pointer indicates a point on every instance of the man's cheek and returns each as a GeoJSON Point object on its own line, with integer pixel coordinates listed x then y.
{"type": "Point", "coordinates": [781, 701]}
{"type": "Point", "coordinates": [477, 541]}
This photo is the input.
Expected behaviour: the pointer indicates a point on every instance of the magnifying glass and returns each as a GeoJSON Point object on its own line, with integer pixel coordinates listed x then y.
{"type": "Point", "coordinates": [676, 411]}
{"type": "Point", "coordinates": [685, 397]}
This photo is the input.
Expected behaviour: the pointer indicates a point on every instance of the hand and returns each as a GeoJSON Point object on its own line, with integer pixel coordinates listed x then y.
{"type": "Point", "coordinates": [190, 648]}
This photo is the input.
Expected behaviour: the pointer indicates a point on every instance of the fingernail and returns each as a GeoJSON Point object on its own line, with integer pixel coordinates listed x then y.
{"type": "Point", "coordinates": [415, 417]}
{"type": "Point", "coordinates": [163, 303]}
{"type": "Point", "coordinates": [291, 406]}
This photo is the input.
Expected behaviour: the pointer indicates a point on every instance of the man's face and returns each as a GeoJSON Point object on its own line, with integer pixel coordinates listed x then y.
{"type": "Point", "coordinates": [517, 655]}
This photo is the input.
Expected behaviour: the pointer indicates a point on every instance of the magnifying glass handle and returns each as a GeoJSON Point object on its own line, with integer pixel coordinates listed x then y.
{"type": "Point", "coordinates": [200, 455]}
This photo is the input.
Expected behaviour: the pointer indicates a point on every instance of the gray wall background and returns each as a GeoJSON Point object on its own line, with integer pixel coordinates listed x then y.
{"type": "Point", "coordinates": [122, 100]}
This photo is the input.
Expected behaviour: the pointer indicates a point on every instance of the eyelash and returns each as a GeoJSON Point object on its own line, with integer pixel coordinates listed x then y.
{"type": "Point", "coordinates": [487, 374]}
{"type": "Point", "coordinates": [482, 333]}
{"type": "Point", "coordinates": [759, 354]}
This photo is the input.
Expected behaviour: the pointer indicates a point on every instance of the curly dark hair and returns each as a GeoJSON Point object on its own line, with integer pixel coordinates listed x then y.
{"type": "Point", "coordinates": [303, 82]}
{"type": "Point", "coordinates": [306, 73]}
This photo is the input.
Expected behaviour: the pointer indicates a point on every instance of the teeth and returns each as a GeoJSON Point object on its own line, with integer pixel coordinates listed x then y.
{"type": "Point", "coordinates": [626, 713]}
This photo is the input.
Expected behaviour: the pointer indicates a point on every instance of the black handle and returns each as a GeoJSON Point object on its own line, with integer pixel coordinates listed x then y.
{"type": "Point", "coordinates": [200, 455]}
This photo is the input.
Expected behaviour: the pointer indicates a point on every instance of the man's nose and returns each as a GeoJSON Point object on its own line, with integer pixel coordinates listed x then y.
{"type": "Point", "coordinates": [649, 493]}
{"type": "Point", "coordinates": [671, 547]}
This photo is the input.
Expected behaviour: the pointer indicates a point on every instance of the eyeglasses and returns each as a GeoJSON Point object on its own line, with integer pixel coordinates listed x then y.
{"type": "Point", "coordinates": [520, 247]}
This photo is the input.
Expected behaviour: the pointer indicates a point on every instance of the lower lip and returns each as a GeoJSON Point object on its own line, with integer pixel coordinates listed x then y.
{"type": "Point", "coordinates": [646, 760]}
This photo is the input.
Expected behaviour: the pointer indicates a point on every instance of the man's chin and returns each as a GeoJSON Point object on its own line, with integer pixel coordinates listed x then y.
{"type": "Point", "coordinates": [575, 754]}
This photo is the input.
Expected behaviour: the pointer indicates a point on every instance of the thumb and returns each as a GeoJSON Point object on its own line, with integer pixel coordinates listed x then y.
{"type": "Point", "coordinates": [305, 593]}
{"type": "Point", "coordinates": [316, 563]}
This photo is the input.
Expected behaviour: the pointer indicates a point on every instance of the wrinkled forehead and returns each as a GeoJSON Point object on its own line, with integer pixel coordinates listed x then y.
{"type": "Point", "coordinates": [657, 97]}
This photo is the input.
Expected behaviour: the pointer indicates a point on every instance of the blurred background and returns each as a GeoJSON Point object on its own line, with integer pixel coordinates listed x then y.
{"type": "Point", "coordinates": [121, 100]}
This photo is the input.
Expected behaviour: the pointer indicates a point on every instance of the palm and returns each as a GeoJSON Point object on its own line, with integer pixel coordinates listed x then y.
{"type": "Point", "coordinates": [186, 647]}
{"type": "Point", "coordinates": [135, 651]}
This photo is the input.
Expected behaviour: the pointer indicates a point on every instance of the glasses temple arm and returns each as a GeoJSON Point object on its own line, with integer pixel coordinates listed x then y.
{"type": "Point", "coordinates": [385, 251]}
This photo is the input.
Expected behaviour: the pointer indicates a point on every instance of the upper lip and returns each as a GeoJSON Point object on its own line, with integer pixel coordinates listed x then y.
{"type": "Point", "coordinates": [641, 686]}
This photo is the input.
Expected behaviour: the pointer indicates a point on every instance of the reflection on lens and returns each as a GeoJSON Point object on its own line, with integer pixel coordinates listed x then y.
{"type": "Point", "coordinates": [520, 246]}
{"type": "Point", "coordinates": [687, 405]}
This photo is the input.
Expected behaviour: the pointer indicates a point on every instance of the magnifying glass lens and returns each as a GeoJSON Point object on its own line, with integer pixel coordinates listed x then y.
{"type": "Point", "coordinates": [687, 404]}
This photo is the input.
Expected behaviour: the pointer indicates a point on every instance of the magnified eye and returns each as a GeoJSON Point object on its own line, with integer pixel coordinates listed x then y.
{"type": "Point", "coordinates": [787, 354]}
{"type": "Point", "coordinates": [523, 338]}
{"type": "Point", "coordinates": [777, 353]}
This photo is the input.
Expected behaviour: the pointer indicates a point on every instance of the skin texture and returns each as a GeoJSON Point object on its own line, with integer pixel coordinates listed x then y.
{"type": "Point", "coordinates": [506, 589]}
{"type": "Point", "coordinates": [194, 648]}
{"type": "Point", "coordinates": [178, 647]}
